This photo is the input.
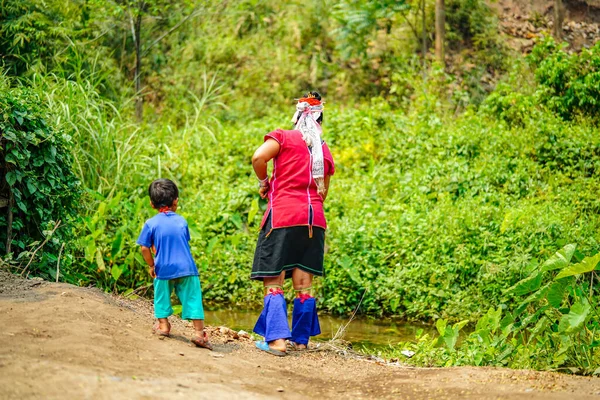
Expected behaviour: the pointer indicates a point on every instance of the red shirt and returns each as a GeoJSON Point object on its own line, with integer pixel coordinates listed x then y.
{"type": "Point", "coordinates": [293, 191]}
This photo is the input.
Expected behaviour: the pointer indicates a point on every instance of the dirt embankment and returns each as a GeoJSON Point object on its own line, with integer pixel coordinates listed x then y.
{"type": "Point", "coordinates": [522, 21]}
{"type": "Point", "coordinates": [64, 342]}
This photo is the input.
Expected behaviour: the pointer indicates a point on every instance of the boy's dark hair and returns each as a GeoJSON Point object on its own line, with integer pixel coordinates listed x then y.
{"type": "Point", "coordinates": [163, 193]}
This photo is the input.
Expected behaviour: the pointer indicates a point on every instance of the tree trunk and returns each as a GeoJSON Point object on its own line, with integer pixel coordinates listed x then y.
{"type": "Point", "coordinates": [440, 30]}
{"type": "Point", "coordinates": [424, 31]}
{"type": "Point", "coordinates": [139, 100]}
{"type": "Point", "coordinates": [558, 19]}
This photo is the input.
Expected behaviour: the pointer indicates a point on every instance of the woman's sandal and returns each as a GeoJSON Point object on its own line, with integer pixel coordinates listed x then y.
{"type": "Point", "coordinates": [296, 346]}
{"type": "Point", "coordinates": [156, 330]}
{"type": "Point", "coordinates": [264, 346]}
{"type": "Point", "coordinates": [202, 341]}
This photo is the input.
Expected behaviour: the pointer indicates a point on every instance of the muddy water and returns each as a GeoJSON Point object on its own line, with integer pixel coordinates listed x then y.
{"type": "Point", "coordinates": [362, 332]}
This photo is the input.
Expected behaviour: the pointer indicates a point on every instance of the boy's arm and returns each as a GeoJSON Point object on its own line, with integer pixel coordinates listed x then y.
{"type": "Point", "coordinates": [147, 254]}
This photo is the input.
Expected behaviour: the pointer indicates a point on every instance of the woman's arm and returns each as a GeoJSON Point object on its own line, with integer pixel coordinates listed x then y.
{"type": "Point", "coordinates": [265, 153]}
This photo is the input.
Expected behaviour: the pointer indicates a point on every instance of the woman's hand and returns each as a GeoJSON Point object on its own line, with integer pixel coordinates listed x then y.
{"type": "Point", "coordinates": [263, 190]}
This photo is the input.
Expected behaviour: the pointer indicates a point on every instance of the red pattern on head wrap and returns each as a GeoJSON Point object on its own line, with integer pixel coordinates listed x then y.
{"type": "Point", "coordinates": [310, 100]}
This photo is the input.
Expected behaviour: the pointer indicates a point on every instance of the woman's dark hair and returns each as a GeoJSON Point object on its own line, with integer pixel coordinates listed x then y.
{"type": "Point", "coordinates": [163, 193]}
{"type": "Point", "coordinates": [317, 96]}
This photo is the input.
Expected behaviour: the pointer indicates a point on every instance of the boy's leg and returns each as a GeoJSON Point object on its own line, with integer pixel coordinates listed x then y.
{"type": "Point", "coordinates": [189, 292]}
{"type": "Point", "coordinates": [162, 303]}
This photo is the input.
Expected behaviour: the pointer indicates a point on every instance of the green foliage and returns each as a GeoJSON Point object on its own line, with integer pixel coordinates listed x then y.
{"type": "Point", "coordinates": [37, 172]}
{"type": "Point", "coordinates": [443, 201]}
{"type": "Point", "coordinates": [569, 83]}
{"type": "Point", "coordinates": [557, 330]}
{"type": "Point", "coordinates": [31, 33]}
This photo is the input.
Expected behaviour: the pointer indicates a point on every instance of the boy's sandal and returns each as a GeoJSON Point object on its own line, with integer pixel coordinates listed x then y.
{"type": "Point", "coordinates": [202, 341]}
{"type": "Point", "coordinates": [264, 346]}
{"type": "Point", "coordinates": [156, 330]}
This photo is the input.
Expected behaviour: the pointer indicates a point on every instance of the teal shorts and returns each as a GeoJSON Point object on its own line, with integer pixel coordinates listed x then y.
{"type": "Point", "coordinates": [187, 290]}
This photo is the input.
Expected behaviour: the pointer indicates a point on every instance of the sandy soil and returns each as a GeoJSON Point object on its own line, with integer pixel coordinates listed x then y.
{"type": "Point", "coordinates": [62, 341]}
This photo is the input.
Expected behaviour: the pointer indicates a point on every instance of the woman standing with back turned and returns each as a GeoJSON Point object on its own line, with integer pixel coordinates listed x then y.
{"type": "Point", "coordinates": [292, 237]}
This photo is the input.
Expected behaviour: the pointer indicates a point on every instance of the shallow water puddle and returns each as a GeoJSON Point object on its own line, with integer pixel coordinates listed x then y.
{"type": "Point", "coordinates": [362, 332]}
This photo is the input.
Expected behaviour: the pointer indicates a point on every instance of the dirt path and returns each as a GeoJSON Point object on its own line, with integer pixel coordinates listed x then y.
{"type": "Point", "coordinates": [62, 341]}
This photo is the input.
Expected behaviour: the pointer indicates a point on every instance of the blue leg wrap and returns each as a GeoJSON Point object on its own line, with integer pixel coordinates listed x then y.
{"type": "Point", "coordinates": [305, 321]}
{"type": "Point", "coordinates": [272, 322]}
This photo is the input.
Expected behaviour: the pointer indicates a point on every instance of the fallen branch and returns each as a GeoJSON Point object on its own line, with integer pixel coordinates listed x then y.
{"type": "Point", "coordinates": [40, 246]}
{"type": "Point", "coordinates": [337, 342]}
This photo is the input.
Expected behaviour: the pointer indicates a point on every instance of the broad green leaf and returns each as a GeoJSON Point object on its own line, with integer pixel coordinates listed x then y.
{"type": "Point", "coordinates": [253, 211]}
{"type": "Point", "coordinates": [556, 292]}
{"type": "Point", "coordinates": [232, 277]}
{"type": "Point", "coordinates": [211, 244]}
{"type": "Point", "coordinates": [588, 264]}
{"type": "Point", "coordinates": [22, 205]}
{"type": "Point", "coordinates": [117, 244]}
{"type": "Point", "coordinates": [507, 321]}
{"type": "Point", "coordinates": [440, 325]}
{"type": "Point", "coordinates": [348, 266]}
{"type": "Point", "coordinates": [237, 220]}
{"type": "Point", "coordinates": [100, 260]}
{"type": "Point", "coordinates": [461, 324]}
{"type": "Point", "coordinates": [116, 272]}
{"type": "Point", "coordinates": [90, 250]}
{"type": "Point", "coordinates": [394, 303]}
{"type": "Point", "coordinates": [560, 259]}
{"type": "Point", "coordinates": [31, 187]}
{"type": "Point", "coordinates": [138, 257]}
{"type": "Point", "coordinates": [451, 337]}
{"type": "Point", "coordinates": [101, 209]}
{"type": "Point", "coordinates": [526, 285]}
{"type": "Point", "coordinates": [541, 325]}
{"type": "Point", "coordinates": [11, 178]}
{"type": "Point", "coordinates": [535, 296]}
{"type": "Point", "coordinates": [505, 353]}
{"type": "Point", "coordinates": [177, 310]}
{"type": "Point", "coordinates": [574, 320]}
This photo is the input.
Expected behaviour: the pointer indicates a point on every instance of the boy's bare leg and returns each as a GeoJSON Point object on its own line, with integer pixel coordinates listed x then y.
{"type": "Point", "coordinates": [199, 327]}
{"type": "Point", "coordinates": [278, 344]}
{"type": "Point", "coordinates": [163, 325]}
{"type": "Point", "coordinates": [201, 337]}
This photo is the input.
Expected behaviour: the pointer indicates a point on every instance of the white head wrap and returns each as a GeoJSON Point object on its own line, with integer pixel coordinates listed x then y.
{"type": "Point", "coordinates": [305, 119]}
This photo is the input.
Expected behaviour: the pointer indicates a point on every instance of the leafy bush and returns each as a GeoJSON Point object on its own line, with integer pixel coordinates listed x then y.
{"type": "Point", "coordinates": [569, 83]}
{"type": "Point", "coordinates": [36, 172]}
{"type": "Point", "coordinates": [554, 327]}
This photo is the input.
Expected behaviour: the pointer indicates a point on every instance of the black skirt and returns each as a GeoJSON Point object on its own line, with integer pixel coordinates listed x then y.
{"type": "Point", "coordinates": [287, 248]}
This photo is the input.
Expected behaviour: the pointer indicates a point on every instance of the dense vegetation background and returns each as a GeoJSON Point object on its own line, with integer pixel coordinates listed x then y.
{"type": "Point", "coordinates": [455, 181]}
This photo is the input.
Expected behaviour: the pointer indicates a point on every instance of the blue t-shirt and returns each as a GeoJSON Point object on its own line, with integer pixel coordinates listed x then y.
{"type": "Point", "coordinates": [169, 234]}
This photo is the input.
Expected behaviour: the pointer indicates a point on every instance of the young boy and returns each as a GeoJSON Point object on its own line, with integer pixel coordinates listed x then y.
{"type": "Point", "coordinates": [172, 266]}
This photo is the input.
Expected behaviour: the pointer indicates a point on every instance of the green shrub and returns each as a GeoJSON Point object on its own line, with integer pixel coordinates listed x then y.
{"type": "Point", "coordinates": [569, 83]}
{"type": "Point", "coordinates": [554, 327]}
{"type": "Point", "coordinates": [36, 171]}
